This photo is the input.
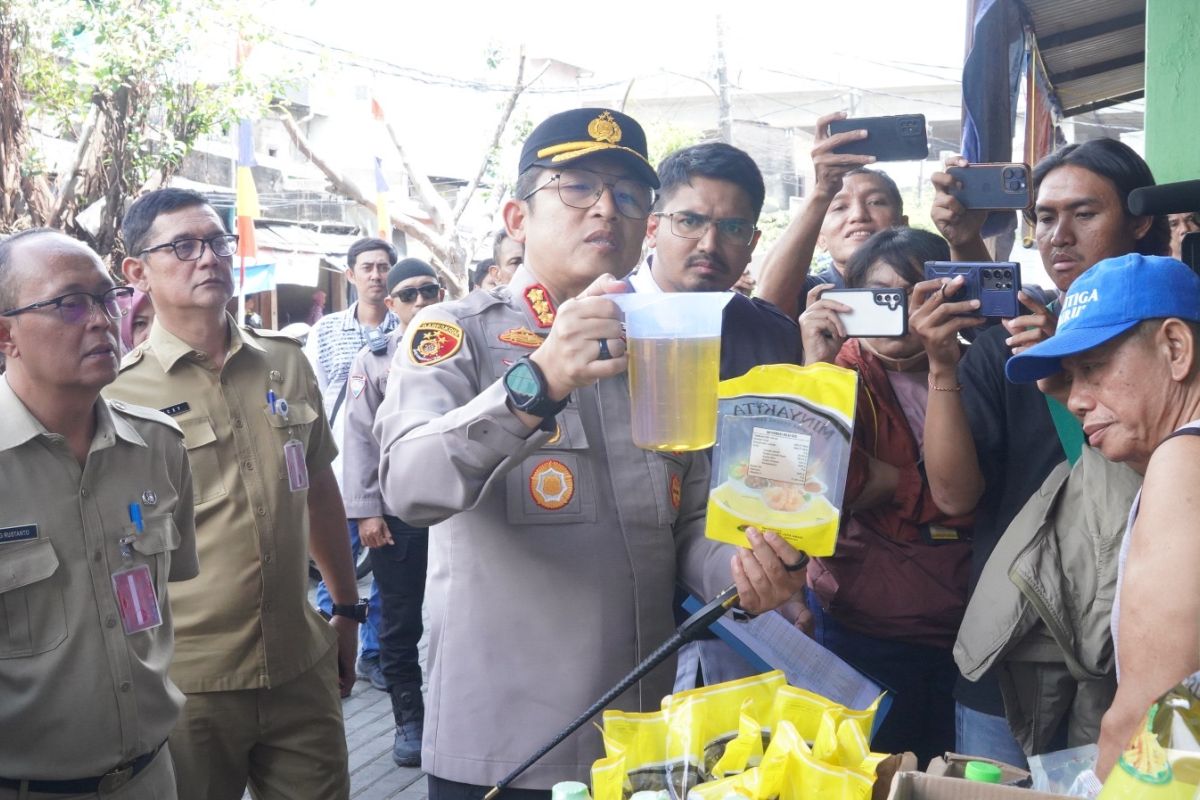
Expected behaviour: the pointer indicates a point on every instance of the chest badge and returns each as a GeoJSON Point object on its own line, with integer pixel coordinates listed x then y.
{"type": "Point", "coordinates": [149, 497]}
{"type": "Point", "coordinates": [357, 384]}
{"type": "Point", "coordinates": [539, 302]}
{"type": "Point", "coordinates": [433, 342]}
{"type": "Point", "coordinates": [521, 337]}
{"type": "Point", "coordinates": [551, 485]}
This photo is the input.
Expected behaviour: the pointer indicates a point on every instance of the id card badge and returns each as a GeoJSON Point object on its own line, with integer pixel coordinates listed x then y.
{"type": "Point", "coordinates": [293, 455]}
{"type": "Point", "coordinates": [137, 602]}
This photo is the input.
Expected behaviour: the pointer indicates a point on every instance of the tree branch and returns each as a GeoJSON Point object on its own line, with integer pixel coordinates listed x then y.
{"type": "Point", "coordinates": [465, 196]}
{"type": "Point", "coordinates": [71, 174]}
{"type": "Point", "coordinates": [435, 204]}
{"type": "Point", "coordinates": [344, 186]}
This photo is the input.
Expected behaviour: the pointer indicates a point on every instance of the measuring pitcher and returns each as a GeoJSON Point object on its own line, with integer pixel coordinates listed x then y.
{"type": "Point", "coordinates": [674, 345]}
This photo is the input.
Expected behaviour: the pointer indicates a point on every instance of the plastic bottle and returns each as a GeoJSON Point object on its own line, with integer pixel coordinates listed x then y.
{"type": "Point", "coordinates": [981, 772]}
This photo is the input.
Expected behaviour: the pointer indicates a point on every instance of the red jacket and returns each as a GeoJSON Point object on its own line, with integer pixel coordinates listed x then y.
{"type": "Point", "coordinates": [887, 579]}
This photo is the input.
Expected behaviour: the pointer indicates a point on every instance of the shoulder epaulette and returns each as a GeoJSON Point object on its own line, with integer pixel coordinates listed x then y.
{"type": "Point", "coordinates": [141, 412]}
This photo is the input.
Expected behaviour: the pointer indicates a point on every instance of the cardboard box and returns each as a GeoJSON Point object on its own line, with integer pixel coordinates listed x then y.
{"type": "Point", "coordinates": [922, 786]}
{"type": "Point", "coordinates": [953, 765]}
{"type": "Point", "coordinates": [887, 769]}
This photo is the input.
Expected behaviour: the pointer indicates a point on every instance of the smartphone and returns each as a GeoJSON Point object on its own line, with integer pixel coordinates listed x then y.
{"type": "Point", "coordinates": [993, 283]}
{"type": "Point", "coordinates": [877, 312]}
{"type": "Point", "coordinates": [993, 186]}
{"type": "Point", "coordinates": [899, 138]}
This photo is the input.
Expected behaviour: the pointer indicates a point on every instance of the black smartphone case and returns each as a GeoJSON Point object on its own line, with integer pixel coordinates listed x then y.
{"type": "Point", "coordinates": [995, 187]}
{"type": "Point", "coordinates": [899, 138]}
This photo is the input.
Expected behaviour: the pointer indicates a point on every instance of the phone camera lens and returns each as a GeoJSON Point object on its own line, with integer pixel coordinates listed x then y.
{"type": "Point", "coordinates": [987, 273]}
{"type": "Point", "coordinates": [1009, 172]}
{"type": "Point", "coordinates": [1008, 274]}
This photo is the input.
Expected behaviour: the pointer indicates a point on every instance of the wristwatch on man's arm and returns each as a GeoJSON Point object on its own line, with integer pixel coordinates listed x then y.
{"type": "Point", "coordinates": [529, 392]}
{"type": "Point", "coordinates": [355, 611]}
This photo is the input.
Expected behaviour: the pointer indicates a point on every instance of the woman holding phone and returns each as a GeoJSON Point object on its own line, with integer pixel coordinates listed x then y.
{"type": "Point", "coordinates": [890, 599]}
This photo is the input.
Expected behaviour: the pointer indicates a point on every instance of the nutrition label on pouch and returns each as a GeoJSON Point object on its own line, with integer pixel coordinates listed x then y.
{"type": "Point", "coordinates": [778, 455]}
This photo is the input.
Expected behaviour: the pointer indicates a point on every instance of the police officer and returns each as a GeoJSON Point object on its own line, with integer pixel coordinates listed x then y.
{"type": "Point", "coordinates": [95, 519]}
{"type": "Point", "coordinates": [259, 665]}
{"type": "Point", "coordinates": [555, 542]}
{"type": "Point", "coordinates": [398, 550]}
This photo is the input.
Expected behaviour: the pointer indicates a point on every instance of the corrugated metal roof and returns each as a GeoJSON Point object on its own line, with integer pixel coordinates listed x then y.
{"type": "Point", "coordinates": [1093, 50]}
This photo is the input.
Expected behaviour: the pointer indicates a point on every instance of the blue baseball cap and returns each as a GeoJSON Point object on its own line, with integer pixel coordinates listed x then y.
{"type": "Point", "coordinates": [1106, 301]}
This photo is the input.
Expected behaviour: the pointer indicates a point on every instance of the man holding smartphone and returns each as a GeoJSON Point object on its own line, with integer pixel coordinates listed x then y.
{"type": "Point", "coordinates": [990, 444]}
{"type": "Point", "coordinates": [848, 203]}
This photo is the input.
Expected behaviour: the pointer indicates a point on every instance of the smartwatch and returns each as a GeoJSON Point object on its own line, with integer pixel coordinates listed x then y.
{"type": "Point", "coordinates": [355, 611]}
{"type": "Point", "coordinates": [528, 391]}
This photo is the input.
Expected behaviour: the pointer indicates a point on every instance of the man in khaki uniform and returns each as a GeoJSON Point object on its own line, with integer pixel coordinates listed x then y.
{"type": "Point", "coordinates": [398, 550]}
{"type": "Point", "coordinates": [259, 665]}
{"type": "Point", "coordinates": [95, 519]}
{"type": "Point", "coordinates": [555, 542]}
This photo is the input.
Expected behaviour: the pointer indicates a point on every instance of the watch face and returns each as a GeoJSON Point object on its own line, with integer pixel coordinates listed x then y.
{"type": "Point", "coordinates": [521, 381]}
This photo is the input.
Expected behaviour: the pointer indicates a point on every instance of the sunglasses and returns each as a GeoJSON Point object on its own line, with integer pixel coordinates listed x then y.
{"type": "Point", "coordinates": [429, 291]}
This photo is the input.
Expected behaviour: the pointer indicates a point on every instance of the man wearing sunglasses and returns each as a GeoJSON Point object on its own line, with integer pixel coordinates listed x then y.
{"type": "Point", "coordinates": [555, 542]}
{"type": "Point", "coordinates": [259, 666]}
{"type": "Point", "coordinates": [398, 550]}
{"type": "Point", "coordinates": [95, 511]}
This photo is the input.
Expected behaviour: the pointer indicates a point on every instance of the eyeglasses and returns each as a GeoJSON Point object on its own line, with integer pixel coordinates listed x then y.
{"type": "Point", "coordinates": [77, 307]}
{"type": "Point", "coordinates": [429, 291]}
{"type": "Point", "coordinates": [687, 225]}
{"type": "Point", "coordinates": [223, 245]}
{"type": "Point", "coordinates": [581, 188]}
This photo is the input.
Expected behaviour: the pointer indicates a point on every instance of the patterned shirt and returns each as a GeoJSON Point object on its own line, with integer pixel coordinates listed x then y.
{"type": "Point", "coordinates": [331, 347]}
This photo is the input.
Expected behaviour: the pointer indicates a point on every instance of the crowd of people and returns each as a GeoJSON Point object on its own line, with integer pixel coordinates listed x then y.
{"type": "Point", "coordinates": [1020, 514]}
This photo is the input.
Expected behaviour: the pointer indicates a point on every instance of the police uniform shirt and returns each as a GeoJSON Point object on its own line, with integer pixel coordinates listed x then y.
{"type": "Point", "coordinates": [365, 386]}
{"type": "Point", "coordinates": [553, 554]}
{"type": "Point", "coordinates": [246, 622]}
{"type": "Point", "coordinates": [81, 696]}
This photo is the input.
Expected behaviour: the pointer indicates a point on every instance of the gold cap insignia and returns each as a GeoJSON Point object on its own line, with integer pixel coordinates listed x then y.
{"type": "Point", "coordinates": [605, 129]}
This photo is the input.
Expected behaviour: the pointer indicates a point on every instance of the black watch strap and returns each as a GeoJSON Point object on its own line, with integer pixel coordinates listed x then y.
{"type": "Point", "coordinates": [355, 611]}
{"type": "Point", "coordinates": [539, 404]}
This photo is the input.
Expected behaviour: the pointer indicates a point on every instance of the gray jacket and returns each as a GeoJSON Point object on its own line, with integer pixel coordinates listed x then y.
{"type": "Point", "coordinates": [1042, 607]}
{"type": "Point", "coordinates": [552, 555]}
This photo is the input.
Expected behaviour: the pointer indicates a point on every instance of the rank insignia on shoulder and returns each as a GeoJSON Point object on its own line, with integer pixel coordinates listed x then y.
{"type": "Point", "coordinates": [433, 342]}
{"type": "Point", "coordinates": [538, 299]}
{"type": "Point", "coordinates": [522, 337]}
{"type": "Point", "coordinates": [357, 384]}
{"type": "Point", "coordinates": [552, 485]}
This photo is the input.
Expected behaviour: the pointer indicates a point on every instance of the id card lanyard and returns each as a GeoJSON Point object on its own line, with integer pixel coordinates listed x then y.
{"type": "Point", "coordinates": [293, 449]}
{"type": "Point", "coordinates": [133, 585]}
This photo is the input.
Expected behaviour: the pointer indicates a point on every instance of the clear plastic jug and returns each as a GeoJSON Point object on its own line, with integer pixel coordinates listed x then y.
{"type": "Point", "coordinates": [674, 341]}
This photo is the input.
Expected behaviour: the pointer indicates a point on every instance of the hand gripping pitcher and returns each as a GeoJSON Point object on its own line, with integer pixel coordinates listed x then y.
{"type": "Point", "coordinates": [674, 366]}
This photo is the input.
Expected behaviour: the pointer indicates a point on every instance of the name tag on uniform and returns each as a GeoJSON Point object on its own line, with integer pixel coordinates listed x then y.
{"type": "Point", "coordinates": [176, 410]}
{"type": "Point", "coordinates": [297, 469]}
{"type": "Point", "coordinates": [137, 602]}
{"type": "Point", "coordinates": [18, 533]}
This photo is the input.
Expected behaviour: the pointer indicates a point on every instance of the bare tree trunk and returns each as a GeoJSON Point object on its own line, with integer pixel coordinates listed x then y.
{"type": "Point", "coordinates": [465, 196]}
{"type": "Point", "coordinates": [12, 121]}
{"type": "Point", "coordinates": [435, 204]}
{"type": "Point", "coordinates": [448, 258]}
{"type": "Point", "coordinates": [70, 178]}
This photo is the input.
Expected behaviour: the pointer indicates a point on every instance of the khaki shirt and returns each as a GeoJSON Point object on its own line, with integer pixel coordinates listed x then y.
{"type": "Point", "coordinates": [79, 695]}
{"type": "Point", "coordinates": [246, 623]}
{"type": "Point", "coordinates": [365, 386]}
{"type": "Point", "coordinates": [553, 555]}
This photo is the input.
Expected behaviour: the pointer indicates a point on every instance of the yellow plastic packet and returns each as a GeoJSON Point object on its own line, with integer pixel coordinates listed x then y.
{"type": "Point", "coordinates": [805, 710]}
{"type": "Point", "coordinates": [783, 448]}
{"type": "Point", "coordinates": [725, 704]}
{"type": "Point", "coordinates": [807, 776]}
{"type": "Point", "coordinates": [1163, 760]}
{"type": "Point", "coordinates": [640, 739]}
{"type": "Point", "coordinates": [685, 743]}
{"type": "Point", "coordinates": [743, 750]}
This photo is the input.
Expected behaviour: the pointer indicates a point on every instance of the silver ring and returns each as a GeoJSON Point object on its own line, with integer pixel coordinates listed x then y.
{"type": "Point", "coordinates": [604, 354]}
